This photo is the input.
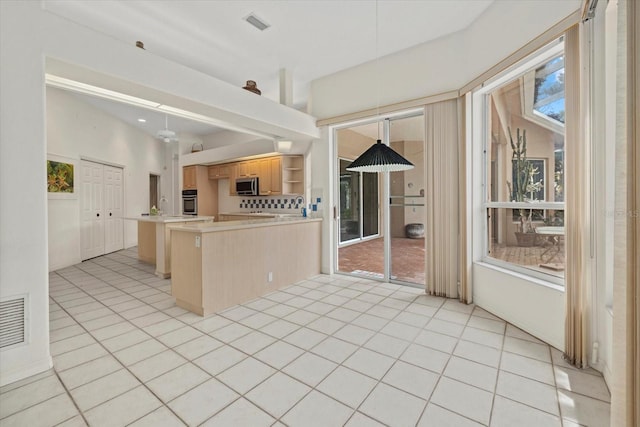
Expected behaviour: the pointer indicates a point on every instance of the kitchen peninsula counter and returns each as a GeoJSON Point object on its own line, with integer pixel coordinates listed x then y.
{"type": "Point", "coordinates": [154, 239]}
{"type": "Point", "coordinates": [217, 265]}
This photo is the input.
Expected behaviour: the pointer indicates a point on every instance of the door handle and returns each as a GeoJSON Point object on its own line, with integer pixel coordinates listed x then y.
{"type": "Point", "coordinates": [97, 214]}
{"type": "Point", "coordinates": [109, 213]}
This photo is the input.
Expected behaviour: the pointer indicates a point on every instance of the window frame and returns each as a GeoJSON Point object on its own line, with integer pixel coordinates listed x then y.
{"type": "Point", "coordinates": [528, 92]}
{"type": "Point", "coordinates": [482, 136]}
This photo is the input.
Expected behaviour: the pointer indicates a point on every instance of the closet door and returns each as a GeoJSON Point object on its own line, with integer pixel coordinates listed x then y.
{"type": "Point", "coordinates": [101, 206]}
{"type": "Point", "coordinates": [113, 227]}
{"type": "Point", "coordinates": [91, 206]}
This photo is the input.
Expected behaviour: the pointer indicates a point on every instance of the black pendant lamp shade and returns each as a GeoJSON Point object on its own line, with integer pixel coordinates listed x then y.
{"type": "Point", "coordinates": [380, 158]}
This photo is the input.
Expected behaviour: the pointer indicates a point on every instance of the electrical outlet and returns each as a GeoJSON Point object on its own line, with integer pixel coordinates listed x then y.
{"type": "Point", "coordinates": [270, 277]}
{"type": "Point", "coordinates": [197, 241]}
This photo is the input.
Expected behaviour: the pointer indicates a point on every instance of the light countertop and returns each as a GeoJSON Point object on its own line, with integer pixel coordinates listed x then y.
{"type": "Point", "coordinates": [163, 219]}
{"type": "Point", "coordinates": [212, 227]}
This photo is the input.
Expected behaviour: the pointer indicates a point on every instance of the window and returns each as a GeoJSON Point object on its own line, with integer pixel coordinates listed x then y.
{"type": "Point", "coordinates": [524, 178]}
{"type": "Point", "coordinates": [549, 90]}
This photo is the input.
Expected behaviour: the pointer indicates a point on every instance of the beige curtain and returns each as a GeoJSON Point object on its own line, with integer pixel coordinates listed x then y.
{"type": "Point", "coordinates": [442, 178]}
{"type": "Point", "coordinates": [577, 206]}
{"type": "Point", "coordinates": [625, 387]}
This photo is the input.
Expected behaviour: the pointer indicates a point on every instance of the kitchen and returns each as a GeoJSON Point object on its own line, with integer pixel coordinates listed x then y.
{"type": "Point", "coordinates": [263, 188]}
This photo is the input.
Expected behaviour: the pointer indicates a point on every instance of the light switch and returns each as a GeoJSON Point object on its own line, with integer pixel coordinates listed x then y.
{"type": "Point", "coordinates": [197, 241]}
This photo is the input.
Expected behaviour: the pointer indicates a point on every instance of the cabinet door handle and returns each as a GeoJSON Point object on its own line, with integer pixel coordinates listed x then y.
{"type": "Point", "coordinates": [109, 213]}
{"type": "Point", "coordinates": [97, 214]}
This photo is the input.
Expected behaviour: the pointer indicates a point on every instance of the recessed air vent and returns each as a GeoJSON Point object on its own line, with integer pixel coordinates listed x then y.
{"type": "Point", "coordinates": [256, 22]}
{"type": "Point", "coordinates": [12, 322]}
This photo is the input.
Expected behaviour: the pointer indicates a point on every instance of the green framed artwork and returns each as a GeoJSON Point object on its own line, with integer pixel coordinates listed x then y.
{"type": "Point", "coordinates": [61, 177]}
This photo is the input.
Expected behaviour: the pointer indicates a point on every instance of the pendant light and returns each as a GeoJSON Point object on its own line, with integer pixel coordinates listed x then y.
{"type": "Point", "coordinates": [379, 157]}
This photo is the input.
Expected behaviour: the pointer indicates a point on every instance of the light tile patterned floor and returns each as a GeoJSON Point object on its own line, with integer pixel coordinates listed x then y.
{"type": "Point", "coordinates": [330, 351]}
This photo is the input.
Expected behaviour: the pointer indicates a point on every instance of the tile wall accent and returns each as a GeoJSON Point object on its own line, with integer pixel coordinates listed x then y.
{"type": "Point", "coordinates": [283, 204]}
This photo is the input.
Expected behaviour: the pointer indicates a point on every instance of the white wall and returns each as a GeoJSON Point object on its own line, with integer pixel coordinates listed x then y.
{"type": "Point", "coordinates": [75, 129]}
{"type": "Point", "coordinates": [23, 221]}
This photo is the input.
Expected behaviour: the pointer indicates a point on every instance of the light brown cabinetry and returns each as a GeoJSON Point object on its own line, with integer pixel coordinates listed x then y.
{"type": "Point", "coordinates": [277, 175]}
{"type": "Point", "coordinates": [233, 175]}
{"type": "Point", "coordinates": [264, 176]}
{"type": "Point", "coordinates": [189, 177]}
{"type": "Point", "coordinates": [197, 178]}
{"type": "Point", "coordinates": [219, 171]}
{"type": "Point", "coordinates": [248, 168]}
{"type": "Point", "coordinates": [275, 169]}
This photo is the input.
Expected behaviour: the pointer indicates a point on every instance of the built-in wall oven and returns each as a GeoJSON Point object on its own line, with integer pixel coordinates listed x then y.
{"type": "Point", "coordinates": [189, 202]}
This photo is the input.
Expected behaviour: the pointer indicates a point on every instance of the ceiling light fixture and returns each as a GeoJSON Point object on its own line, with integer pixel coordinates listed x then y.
{"type": "Point", "coordinates": [142, 120]}
{"type": "Point", "coordinates": [379, 157]}
{"type": "Point", "coordinates": [165, 134]}
{"type": "Point", "coordinates": [282, 146]}
{"type": "Point", "coordinates": [256, 22]}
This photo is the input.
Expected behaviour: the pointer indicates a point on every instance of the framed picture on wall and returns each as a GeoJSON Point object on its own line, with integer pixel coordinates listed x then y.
{"type": "Point", "coordinates": [61, 177]}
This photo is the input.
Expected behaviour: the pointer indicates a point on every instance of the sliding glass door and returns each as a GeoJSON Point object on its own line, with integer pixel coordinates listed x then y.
{"type": "Point", "coordinates": [381, 216]}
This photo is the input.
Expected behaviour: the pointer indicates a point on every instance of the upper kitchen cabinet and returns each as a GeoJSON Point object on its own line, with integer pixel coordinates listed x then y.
{"type": "Point", "coordinates": [275, 168]}
{"type": "Point", "coordinates": [219, 171]}
{"type": "Point", "coordinates": [189, 178]}
{"type": "Point", "coordinates": [277, 175]}
{"type": "Point", "coordinates": [233, 175]}
{"type": "Point", "coordinates": [248, 168]}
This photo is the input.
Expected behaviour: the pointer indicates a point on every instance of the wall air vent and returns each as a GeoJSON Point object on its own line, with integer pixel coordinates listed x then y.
{"type": "Point", "coordinates": [256, 22]}
{"type": "Point", "coordinates": [12, 322]}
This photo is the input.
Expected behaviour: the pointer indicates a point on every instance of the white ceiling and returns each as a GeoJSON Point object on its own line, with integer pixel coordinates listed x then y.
{"type": "Point", "coordinates": [311, 38]}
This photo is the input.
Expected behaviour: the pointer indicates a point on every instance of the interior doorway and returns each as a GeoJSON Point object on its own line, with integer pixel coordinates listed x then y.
{"type": "Point", "coordinates": [380, 225]}
{"type": "Point", "coordinates": [154, 191]}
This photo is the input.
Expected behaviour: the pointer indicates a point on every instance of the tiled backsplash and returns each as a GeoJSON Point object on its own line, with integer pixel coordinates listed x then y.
{"type": "Point", "coordinates": [282, 204]}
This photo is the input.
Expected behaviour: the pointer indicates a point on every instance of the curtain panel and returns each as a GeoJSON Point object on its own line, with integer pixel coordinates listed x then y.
{"type": "Point", "coordinates": [577, 204]}
{"type": "Point", "coordinates": [625, 387]}
{"type": "Point", "coordinates": [442, 177]}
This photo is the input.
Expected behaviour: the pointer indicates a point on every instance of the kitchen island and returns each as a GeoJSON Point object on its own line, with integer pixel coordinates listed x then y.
{"type": "Point", "coordinates": [154, 239]}
{"type": "Point", "coordinates": [217, 265]}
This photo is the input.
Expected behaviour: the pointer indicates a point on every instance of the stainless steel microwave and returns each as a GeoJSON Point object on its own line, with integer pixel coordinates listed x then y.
{"type": "Point", "coordinates": [247, 186]}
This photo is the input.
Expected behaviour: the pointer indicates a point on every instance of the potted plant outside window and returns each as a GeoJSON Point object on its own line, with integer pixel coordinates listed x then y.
{"type": "Point", "coordinates": [524, 187]}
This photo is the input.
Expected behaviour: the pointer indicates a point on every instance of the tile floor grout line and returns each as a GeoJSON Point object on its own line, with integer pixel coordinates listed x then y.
{"type": "Point", "coordinates": [34, 404]}
{"type": "Point", "coordinates": [493, 398]}
{"type": "Point", "coordinates": [75, 404]}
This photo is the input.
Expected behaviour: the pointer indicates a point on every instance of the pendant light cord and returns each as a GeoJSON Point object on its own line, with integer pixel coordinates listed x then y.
{"type": "Point", "coordinates": [377, 76]}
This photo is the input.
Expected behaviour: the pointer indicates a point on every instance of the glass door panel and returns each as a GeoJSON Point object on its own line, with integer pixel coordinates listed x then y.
{"type": "Point", "coordinates": [349, 203]}
{"type": "Point", "coordinates": [406, 209]}
{"type": "Point", "coordinates": [360, 242]}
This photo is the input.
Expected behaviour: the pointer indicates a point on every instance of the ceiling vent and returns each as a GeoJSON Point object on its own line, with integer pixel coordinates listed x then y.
{"type": "Point", "coordinates": [256, 22]}
{"type": "Point", "coordinates": [12, 322]}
